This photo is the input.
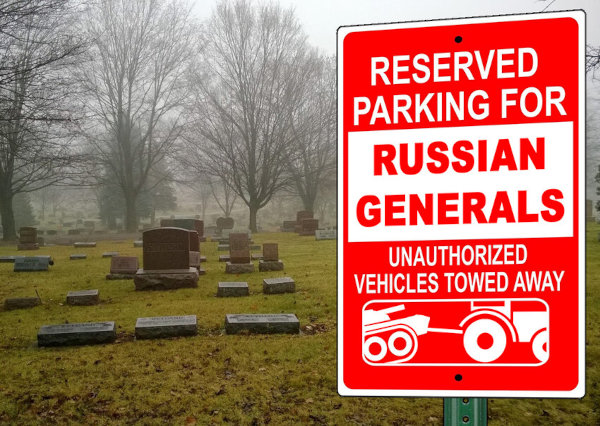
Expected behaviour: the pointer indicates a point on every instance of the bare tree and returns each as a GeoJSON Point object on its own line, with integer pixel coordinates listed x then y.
{"type": "Point", "coordinates": [37, 49]}
{"type": "Point", "coordinates": [135, 80]}
{"type": "Point", "coordinates": [313, 158]}
{"type": "Point", "coordinates": [247, 90]}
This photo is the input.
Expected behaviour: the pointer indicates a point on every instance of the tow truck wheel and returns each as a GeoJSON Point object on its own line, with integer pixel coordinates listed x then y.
{"type": "Point", "coordinates": [539, 345]}
{"type": "Point", "coordinates": [403, 343]}
{"type": "Point", "coordinates": [367, 348]}
{"type": "Point", "coordinates": [484, 340]}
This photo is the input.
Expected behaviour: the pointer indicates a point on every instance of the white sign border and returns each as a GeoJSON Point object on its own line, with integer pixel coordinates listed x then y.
{"type": "Point", "coordinates": [579, 390]}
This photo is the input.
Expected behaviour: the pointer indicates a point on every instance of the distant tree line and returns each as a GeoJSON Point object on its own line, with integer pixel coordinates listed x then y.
{"type": "Point", "coordinates": [128, 98]}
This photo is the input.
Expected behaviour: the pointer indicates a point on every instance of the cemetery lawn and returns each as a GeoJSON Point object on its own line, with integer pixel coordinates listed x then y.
{"type": "Point", "coordinates": [213, 377]}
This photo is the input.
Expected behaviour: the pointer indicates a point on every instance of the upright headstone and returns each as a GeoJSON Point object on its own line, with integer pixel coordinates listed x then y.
{"type": "Point", "coordinates": [123, 268]}
{"type": "Point", "coordinates": [195, 257]}
{"type": "Point", "coordinates": [308, 227]}
{"type": "Point", "coordinates": [189, 224]}
{"type": "Point", "coordinates": [300, 216]}
{"type": "Point", "coordinates": [288, 226]}
{"type": "Point", "coordinates": [28, 239]}
{"type": "Point", "coordinates": [239, 254]}
{"type": "Point", "coordinates": [224, 223]}
{"type": "Point", "coordinates": [166, 258]}
{"type": "Point", "coordinates": [270, 258]}
{"type": "Point", "coordinates": [77, 334]}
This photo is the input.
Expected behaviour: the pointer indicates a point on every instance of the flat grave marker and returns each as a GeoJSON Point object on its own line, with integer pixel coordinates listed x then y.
{"type": "Point", "coordinates": [325, 234]}
{"type": "Point", "coordinates": [31, 264]}
{"type": "Point", "coordinates": [110, 254]}
{"type": "Point", "coordinates": [21, 303]}
{"type": "Point", "coordinates": [232, 289]}
{"type": "Point", "coordinates": [86, 333]}
{"type": "Point", "coordinates": [78, 256]}
{"type": "Point", "coordinates": [279, 285]}
{"type": "Point", "coordinates": [168, 326]}
{"type": "Point", "coordinates": [84, 244]}
{"type": "Point", "coordinates": [262, 323]}
{"type": "Point", "coordinates": [83, 297]}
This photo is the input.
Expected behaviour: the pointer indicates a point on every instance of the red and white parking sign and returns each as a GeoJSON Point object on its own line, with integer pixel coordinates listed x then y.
{"type": "Point", "coordinates": [461, 205]}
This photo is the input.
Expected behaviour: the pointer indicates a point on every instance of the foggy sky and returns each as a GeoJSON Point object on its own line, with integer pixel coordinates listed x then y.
{"type": "Point", "coordinates": [321, 18]}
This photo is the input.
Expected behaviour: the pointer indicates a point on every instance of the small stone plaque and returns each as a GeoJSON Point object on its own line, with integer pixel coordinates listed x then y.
{"type": "Point", "coordinates": [262, 323]}
{"type": "Point", "coordinates": [83, 298]}
{"type": "Point", "coordinates": [224, 258]}
{"type": "Point", "coordinates": [223, 247]}
{"type": "Point", "coordinates": [79, 256]}
{"type": "Point", "coordinates": [270, 251]}
{"type": "Point", "coordinates": [110, 254]}
{"type": "Point", "coordinates": [278, 285]}
{"type": "Point", "coordinates": [232, 289]}
{"type": "Point", "coordinates": [124, 265]}
{"type": "Point", "coordinates": [21, 303]}
{"type": "Point", "coordinates": [29, 264]}
{"type": "Point", "coordinates": [84, 244]}
{"type": "Point", "coordinates": [239, 268]}
{"type": "Point", "coordinates": [77, 334]}
{"type": "Point", "coordinates": [325, 234]}
{"type": "Point", "coordinates": [171, 326]}
{"type": "Point", "coordinates": [138, 244]}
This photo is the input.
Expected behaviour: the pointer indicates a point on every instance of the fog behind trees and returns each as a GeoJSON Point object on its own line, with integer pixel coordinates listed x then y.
{"type": "Point", "coordinates": [125, 111]}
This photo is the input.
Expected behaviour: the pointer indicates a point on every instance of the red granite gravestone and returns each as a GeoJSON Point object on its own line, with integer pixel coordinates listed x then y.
{"type": "Point", "coordinates": [309, 226]}
{"type": "Point", "coordinates": [270, 251]}
{"type": "Point", "coordinates": [194, 241]}
{"type": "Point", "coordinates": [124, 265]}
{"type": "Point", "coordinates": [28, 238]}
{"type": "Point", "coordinates": [166, 261]}
{"type": "Point", "coordinates": [270, 260]}
{"type": "Point", "coordinates": [166, 248]}
{"type": "Point", "coordinates": [300, 216]}
{"type": "Point", "coordinates": [239, 248]}
{"type": "Point", "coordinates": [167, 223]}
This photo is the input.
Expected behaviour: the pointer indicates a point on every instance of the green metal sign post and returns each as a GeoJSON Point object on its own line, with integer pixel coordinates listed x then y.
{"type": "Point", "coordinates": [465, 411]}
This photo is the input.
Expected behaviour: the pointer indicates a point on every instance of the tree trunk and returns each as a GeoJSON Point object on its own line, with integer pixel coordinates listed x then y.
{"type": "Point", "coordinates": [8, 217]}
{"type": "Point", "coordinates": [253, 212]}
{"type": "Point", "coordinates": [130, 214]}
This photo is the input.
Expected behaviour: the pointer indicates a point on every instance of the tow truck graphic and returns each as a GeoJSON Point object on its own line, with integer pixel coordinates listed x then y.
{"type": "Point", "coordinates": [488, 328]}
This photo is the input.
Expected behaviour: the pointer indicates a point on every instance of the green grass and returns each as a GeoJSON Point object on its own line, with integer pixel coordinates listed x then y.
{"type": "Point", "coordinates": [215, 378]}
